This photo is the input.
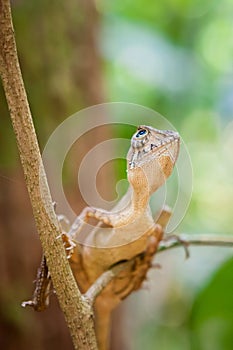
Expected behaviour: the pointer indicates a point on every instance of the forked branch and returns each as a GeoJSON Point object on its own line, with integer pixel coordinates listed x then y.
{"type": "Point", "coordinates": [212, 240]}
{"type": "Point", "coordinates": [174, 241]}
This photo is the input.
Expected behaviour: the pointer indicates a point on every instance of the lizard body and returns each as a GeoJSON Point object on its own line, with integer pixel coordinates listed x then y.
{"type": "Point", "coordinates": [150, 161]}
{"type": "Point", "coordinates": [132, 230]}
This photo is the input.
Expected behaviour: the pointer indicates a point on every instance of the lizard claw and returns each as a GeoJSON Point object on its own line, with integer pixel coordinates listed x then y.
{"type": "Point", "coordinates": [68, 244]}
{"type": "Point", "coordinates": [178, 239]}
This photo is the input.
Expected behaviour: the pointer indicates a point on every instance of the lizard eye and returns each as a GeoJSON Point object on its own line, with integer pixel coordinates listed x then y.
{"type": "Point", "coordinates": [141, 133]}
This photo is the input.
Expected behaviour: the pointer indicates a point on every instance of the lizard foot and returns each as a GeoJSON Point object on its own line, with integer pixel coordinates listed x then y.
{"type": "Point", "coordinates": [68, 244]}
{"type": "Point", "coordinates": [138, 271]}
{"type": "Point", "coordinates": [100, 215]}
{"type": "Point", "coordinates": [86, 214]}
{"type": "Point", "coordinates": [41, 295]}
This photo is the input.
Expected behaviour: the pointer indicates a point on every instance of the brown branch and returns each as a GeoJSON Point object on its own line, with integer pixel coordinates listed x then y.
{"type": "Point", "coordinates": [169, 242]}
{"type": "Point", "coordinates": [106, 277]}
{"type": "Point", "coordinates": [78, 313]}
{"type": "Point", "coordinates": [180, 240]}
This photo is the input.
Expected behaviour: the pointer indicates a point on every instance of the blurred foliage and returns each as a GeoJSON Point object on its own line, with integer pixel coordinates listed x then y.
{"type": "Point", "coordinates": [176, 57]}
{"type": "Point", "coordinates": [212, 315]}
{"type": "Point", "coordinates": [59, 63]}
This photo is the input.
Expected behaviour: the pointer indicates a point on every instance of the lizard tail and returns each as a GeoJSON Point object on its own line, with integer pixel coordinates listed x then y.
{"type": "Point", "coordinates": [103, 326]}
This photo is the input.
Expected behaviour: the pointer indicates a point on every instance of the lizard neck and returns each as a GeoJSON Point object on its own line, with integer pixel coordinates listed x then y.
{"type": "Point", "coordinates": [139, 200]}
{"type": "Point", "coordinates": [131, 207]}
{"type": "Point", "coordinates": [135, 203]}
{"type": "Point", "coordinates": [140, 190]}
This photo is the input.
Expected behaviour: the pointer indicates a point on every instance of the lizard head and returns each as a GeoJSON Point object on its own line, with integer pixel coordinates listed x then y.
{"type": "Point", "coordinates": [151, 157]}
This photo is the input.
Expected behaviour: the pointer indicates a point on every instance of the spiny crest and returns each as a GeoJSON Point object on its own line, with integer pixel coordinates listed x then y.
{"type": "Point", "coordinates": [149, 142]}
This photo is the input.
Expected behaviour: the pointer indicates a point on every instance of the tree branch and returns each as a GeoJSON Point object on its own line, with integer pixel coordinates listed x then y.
{"type": "Point", "coordinates": [78, 313]}
{"type": "Point", "coordinates": [106, 277]}
{"type": "Point", "coordinates": [169, 242]}
{"type": "Point", "coordinates": [180, 240]}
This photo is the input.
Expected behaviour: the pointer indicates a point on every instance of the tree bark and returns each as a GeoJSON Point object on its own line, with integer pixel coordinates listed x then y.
{"type": "Point", "coordinates": [78, 313]}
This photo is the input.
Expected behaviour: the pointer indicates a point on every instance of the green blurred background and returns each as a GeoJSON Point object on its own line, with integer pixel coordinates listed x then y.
{"type": "Point", "coordinates": [175, 57]}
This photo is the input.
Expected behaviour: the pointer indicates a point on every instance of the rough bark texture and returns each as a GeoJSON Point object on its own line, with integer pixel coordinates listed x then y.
{"type": "Point", "coordinates": [77, 312]}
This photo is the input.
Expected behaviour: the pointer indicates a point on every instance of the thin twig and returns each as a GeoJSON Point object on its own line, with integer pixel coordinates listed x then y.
{"type": "Point", "coordinates": [214, 240]}
{"type": "Point", "coordinates": [106, 277]}
{"type": "Point", "coordinates": [173, 241]}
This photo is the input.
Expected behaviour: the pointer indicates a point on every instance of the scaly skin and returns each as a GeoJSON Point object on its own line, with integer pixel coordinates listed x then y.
{"type": "Point", "coordinates": [131, 227]}
{"type": "Point", "coordinates": [150, 161]}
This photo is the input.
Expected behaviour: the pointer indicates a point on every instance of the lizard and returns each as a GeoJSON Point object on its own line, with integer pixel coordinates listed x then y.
{"type": "Point", "coordinates": [150, 161]}
{"type": "Point", "coordinates": [128, 230]}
